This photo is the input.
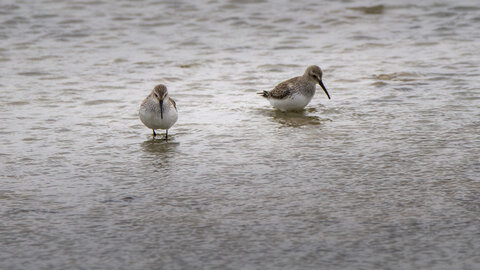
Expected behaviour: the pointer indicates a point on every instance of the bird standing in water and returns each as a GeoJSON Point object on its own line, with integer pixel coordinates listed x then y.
{"type": "Point", "coordinates": [158, 110]}
{"type": "Point", "coordinates": [294, 94]}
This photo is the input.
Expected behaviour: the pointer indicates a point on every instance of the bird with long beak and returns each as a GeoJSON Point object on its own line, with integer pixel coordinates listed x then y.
{"type": "Point", "coordinates": [158, 110]}
{"type": "Point", "coordinates": [294, 94]}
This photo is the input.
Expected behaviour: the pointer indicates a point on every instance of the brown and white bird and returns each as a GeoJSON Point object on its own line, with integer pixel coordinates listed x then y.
{"type": "Point", "coordinates": [295, 93]}
{"type": "Point", "coordinates": [158, 110]}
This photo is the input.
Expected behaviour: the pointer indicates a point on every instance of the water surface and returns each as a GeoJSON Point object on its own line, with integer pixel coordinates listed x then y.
{"type": "Point", "coordinates": [386, 175]}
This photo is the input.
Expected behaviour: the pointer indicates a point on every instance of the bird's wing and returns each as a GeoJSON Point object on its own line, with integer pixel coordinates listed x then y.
{"type": "Point", "coordinates": [283, 89]}
{"type": "Point", "coordinates": [173, 102]}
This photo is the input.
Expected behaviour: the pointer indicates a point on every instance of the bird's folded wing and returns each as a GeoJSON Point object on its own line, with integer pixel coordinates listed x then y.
{"type": "Point", "coordinates": [283, 89]}
{"type": "Point", "coordinates": [173, 103]}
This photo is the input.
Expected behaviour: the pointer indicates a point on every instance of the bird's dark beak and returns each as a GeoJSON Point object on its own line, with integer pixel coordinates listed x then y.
{"type": "Point", "coordinates": [323, 87]}
{"type": "Point", "coordinates": [161, 108]}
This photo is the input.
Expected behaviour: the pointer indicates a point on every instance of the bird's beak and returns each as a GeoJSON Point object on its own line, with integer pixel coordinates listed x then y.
{"type": "Point", "coordinates": [161, 108]}
{"type": "Point", "coordinates": [323, 87]}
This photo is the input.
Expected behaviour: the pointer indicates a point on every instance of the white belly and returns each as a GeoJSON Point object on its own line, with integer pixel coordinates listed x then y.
{"type": "Point", "coordinates": [152, 119]}
{"type": "Point", "coordinates": [293, 103]}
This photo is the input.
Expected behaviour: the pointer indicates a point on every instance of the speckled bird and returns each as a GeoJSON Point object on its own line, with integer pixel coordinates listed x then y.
{"type": "Point", "coordinates": [158, 110]}
{"type": "Point", "coordinates": [294, 94]}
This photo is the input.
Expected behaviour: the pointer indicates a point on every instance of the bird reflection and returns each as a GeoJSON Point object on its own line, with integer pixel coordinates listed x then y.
{"type": "Point", "coordinates": [295, 118]}
{"type": "Point", "coordinates": [159, 146]}
{"type": "Point", "coordinates": [160, 153]}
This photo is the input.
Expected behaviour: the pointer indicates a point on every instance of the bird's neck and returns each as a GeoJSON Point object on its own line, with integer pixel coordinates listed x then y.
{"type": "Point", "coordinates": [309, 78]}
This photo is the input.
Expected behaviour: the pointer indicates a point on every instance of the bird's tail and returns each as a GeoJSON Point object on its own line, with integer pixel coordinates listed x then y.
{"type": "Point", "coordinates": [263, 94]}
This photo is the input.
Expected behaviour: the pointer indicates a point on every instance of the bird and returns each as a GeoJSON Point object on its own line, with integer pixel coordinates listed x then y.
{"type": "Point", "coordinates": [158, 110]}
{"type": "Point", "coordinates": [294, 94]}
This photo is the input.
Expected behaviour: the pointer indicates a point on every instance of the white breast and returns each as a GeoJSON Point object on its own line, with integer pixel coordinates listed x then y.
{"type": "Point", "coordinates": [151, 117]}
{"type": "Point", "coordinates": [292, 103]}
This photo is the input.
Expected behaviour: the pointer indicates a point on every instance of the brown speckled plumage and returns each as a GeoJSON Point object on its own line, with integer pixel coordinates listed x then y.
{"type": "Point", "coordinates": [293, 85]}
{"type": "Point", "coordinates": [158, 110]}
{"type": "Point", "coordinates": [296, 93]}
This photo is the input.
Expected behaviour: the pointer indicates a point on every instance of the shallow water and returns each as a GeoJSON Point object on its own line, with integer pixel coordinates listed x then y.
{"type": "Point", "coordinates": [386, 175]}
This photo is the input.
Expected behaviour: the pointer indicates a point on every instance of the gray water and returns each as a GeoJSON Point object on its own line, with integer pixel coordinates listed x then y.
{"type": "Point", "coordinates": [386, 175]}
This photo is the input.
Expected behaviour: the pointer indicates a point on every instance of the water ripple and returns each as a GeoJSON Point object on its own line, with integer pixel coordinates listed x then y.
{"type": "Point", "coordinates": [383, 175]}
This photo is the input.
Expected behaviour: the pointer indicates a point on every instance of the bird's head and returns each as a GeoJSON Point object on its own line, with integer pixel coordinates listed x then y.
{"type": "Point", "coordinates": [315, 73]}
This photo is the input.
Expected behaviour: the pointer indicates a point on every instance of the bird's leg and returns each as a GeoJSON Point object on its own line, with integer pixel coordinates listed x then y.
{"type": "Point", "coordinates": [154, 134]}
{"type": "Point", "coordinates": [166, 134]}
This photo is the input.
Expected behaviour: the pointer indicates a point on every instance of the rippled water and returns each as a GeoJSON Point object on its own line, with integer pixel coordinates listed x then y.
{"type": "Point", "coordinates": [386, 175]}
